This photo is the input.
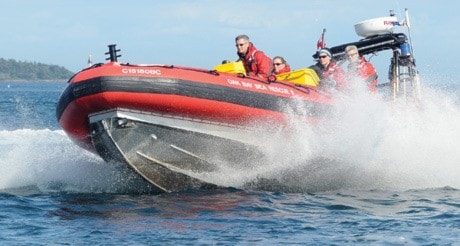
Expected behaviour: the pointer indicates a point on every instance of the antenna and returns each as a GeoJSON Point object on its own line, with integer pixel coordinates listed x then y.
{"type": "Point", "coordinates": [90, 60]}
{"type": "Point", "coordinates": [113, 53]}
{"type": "Point", "coordinates": [407, 22]}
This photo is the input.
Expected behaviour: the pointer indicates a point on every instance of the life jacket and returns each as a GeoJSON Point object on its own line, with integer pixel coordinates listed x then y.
{"type": "Point", "coordinates": [331, 73]}
{"type": "Point", "coordinates": [251, 62]}
{"type": "Point", "coordinates": [366, 71]}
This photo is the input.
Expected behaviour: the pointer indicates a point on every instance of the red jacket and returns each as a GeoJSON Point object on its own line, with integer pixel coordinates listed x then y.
{"type": "Point", "coordinates": [333, 73]}
{"type": "Point", "coordinates": [286, 69]}
{"type": "Point", "coordinates": [364, 70]}
{"type": "Point", "coordinates": [256, 63]}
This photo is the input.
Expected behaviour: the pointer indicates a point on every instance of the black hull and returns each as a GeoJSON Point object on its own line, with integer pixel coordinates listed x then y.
{"type": "Point", "coordinates": [170, 158]}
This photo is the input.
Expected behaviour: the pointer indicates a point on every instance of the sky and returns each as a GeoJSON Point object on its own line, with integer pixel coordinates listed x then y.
{"type": "Point", "coordinates": [201, 33]}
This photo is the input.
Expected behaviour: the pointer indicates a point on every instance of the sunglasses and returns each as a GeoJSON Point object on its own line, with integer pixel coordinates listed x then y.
{"type": "Point", "coordinates": [277, 64]}
{"type": "Point", "coordinates": [240, 45]}
{"type": "Point", "coordinates": [322, 57]}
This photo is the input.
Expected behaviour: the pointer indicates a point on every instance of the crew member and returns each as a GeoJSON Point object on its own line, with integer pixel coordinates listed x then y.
{"type": "Point", "coordinates": [331, 75]}
{"type": "Point", "coordinates": [256, 63]}
{"type": "Point", "coordinates": [360, 69]}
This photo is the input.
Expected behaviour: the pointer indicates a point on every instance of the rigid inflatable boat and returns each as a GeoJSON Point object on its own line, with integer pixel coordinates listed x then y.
{"type": "Point", "coordinates": [172, 125]}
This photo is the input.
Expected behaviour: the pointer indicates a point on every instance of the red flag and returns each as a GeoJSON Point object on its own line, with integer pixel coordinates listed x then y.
{"type": "Point", "coordinates": [321, 42]}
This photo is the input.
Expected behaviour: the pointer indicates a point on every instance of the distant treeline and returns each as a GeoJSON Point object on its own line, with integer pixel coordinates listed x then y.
{"type": "Point", "coordinates": [11, 70]}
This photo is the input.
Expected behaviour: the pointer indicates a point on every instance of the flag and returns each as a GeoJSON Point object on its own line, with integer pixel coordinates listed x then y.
{"type": "Point", "coordinates": [321, 42]}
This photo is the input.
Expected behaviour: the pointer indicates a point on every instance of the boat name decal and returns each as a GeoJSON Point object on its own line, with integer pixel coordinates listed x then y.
{"type": "Point", "coordinates": [141, 71]}
{"type": "Point", "coordinates": [260, 86]}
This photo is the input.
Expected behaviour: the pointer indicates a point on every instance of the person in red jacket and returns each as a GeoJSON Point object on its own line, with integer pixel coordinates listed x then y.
{"type": "Point", "coordinates": [280, 65]}
{"type": "Point", "coordinates": [256, 63]}
{"type": "Point", "coordinates": [359, 68]}
{"type": "Point", "coordinates": [331, 75]}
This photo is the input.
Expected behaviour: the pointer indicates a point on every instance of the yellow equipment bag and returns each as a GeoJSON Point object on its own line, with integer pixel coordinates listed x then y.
{"type": "Point", "coordinates": [304, 76]}
{"type": "Point", "coordinates": [231, 67]}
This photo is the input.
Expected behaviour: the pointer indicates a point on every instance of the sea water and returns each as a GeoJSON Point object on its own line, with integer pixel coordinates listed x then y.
{"type": "Point", "coordinates": [391, 177]}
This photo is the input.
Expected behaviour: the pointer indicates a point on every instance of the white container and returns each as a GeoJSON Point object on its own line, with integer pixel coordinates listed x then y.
{"type": "Point", "coordinates": [376, 26]}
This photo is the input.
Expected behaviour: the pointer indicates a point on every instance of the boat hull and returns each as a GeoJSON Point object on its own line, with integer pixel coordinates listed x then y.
{"type": "Point", "coordinates": [173, 154]}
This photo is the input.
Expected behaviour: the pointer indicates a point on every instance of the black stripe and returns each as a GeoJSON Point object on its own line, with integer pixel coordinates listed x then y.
{"type": "Point", "coordinates": [189, 89]}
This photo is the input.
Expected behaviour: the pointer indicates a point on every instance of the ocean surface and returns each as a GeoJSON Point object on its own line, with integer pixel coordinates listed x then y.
{"type": "Point", "coordinates": [392, 178]}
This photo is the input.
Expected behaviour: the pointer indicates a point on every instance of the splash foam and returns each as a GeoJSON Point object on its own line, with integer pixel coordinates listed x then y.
{"type": "Point", "coordinates": [48, 161]}
{"type": "Point", "coordinates": [368, 143]}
